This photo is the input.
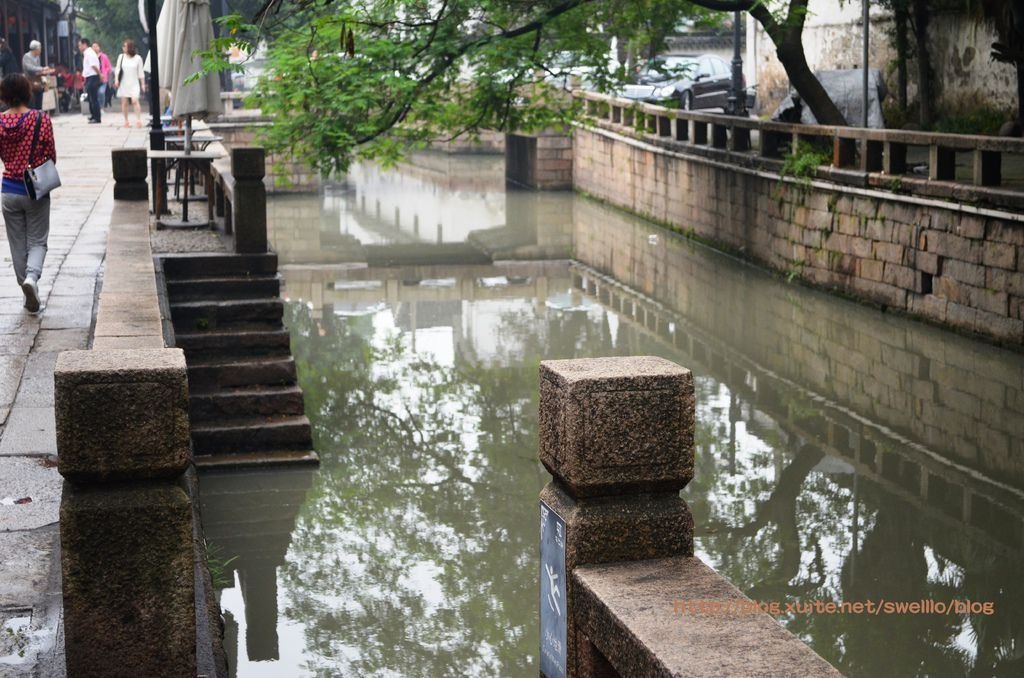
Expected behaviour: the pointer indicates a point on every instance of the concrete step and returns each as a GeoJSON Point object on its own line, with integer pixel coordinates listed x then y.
{"type": "Point", "coordinates": [204, 265]}
{"type": "Point", "coordinates": [224, 288]}
{"type": "Point", "coordinates": [260, 401]}
{"type": "Point", "coordinates": [252, 435]}
{"type": "Point", "coordinates": [207, 314]}
{"type": "Point", "coordinates": [256, 459]}
{"type": "Point", "coordinates": [210, 374]}
{"type": "Point", "coordinates": [235, 341]}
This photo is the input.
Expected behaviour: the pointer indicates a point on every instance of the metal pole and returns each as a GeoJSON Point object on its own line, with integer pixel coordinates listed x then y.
{"type": "Point", "coordinates": [156, 131]}
{"type": "Point", "coordinates": [864, 97]}
{"type": "Point", "coordinates": [738, 97]}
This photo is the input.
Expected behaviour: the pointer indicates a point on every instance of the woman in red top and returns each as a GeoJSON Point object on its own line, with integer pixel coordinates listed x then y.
{"type": "Point", "coordinates": [27, 220]}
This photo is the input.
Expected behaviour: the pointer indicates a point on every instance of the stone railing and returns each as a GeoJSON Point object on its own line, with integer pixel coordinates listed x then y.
{"type": "Point", "coordinates": [240, 199]}
{"type": "Point", "coordinates": [620, 591]}
{"type": "Point", "coordinates": [865, 157]}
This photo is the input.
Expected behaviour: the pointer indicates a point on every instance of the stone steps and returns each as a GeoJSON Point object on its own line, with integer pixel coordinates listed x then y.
{"type": "Point", "coordinates": [257, 434]}
{"type": "Point", "coordinates": [245, 407]}
{"type": "Point", "coordinates": [193, 316]}
{"type": "Point", "coordinates": [219, 288]}
{"type": "Point", "coordinates": [209, 374]}
{"type": "Point", "coordinates": [265, 401]}
{"type": "Point", "coordinates": [191, 266]}
{"type": "Point", "coordinates": [256, 459]}
{"type": "Point", "coordinates": [239, 342]}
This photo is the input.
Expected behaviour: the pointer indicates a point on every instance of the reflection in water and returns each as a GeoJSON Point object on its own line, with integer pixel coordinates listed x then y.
{"type": "Point", "coordinates": [842, 454]}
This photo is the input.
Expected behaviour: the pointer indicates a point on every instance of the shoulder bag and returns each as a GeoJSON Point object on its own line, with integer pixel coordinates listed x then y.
{"type": "Point", "coordinates": [42, 179]}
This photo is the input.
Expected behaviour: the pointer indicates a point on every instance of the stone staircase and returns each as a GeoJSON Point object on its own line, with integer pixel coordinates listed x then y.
{"type": "Point", "coordinates": [246, 408]}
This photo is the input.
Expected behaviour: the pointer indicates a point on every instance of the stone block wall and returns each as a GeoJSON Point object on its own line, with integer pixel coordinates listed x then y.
{"type": "Point", "coordinates": [943, 262]}
{"type": "Point", "coordinates": [542, 161]}
{"type": "Point", "coordinates": [283, 175]}
{"type": "Point", "coordinates": [960, 398]}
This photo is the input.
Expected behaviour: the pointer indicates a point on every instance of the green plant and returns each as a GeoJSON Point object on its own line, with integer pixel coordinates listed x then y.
{"type": "Point", "coordinates": [217, 564]}
{"type": "Point", "coordinates": [795, 270]}
{"type": "Point", "coordinates": [804, 161]}
{"type": "Point", "coordinates": [202, 323]}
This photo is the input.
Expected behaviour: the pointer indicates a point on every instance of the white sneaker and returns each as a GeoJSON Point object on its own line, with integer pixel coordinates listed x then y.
{"type": "Point", "coordinates": [31, 290]}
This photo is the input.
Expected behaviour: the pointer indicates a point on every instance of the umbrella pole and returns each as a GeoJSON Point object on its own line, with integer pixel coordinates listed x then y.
{"type": "Point", "coordinates": [186, 166]}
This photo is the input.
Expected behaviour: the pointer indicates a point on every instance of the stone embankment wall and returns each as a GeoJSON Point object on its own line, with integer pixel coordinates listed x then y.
{"type": "Point", "coordinates": [960, 398]}
{"type": "Point", "coordinates": [282, 175]}
{"type": "Point", "coordinates": [946, 262]}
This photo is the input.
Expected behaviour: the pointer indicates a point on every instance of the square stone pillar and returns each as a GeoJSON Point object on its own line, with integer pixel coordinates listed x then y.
{"type": "Point", "coordinates": [249, 207]}
{"type": "Point", "coordinates": [130, 171]}
{"type": "Point", "coordinates": [617, 435]}
{"type": "Point", "coordinates": [122, 414]}
{"type": "Point", "coordinates": [127, 552]}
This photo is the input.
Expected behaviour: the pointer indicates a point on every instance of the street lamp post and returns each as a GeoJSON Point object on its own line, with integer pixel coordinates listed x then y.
{"type": "Point", "coordinates": [738, 97]}
{"type": "Point", "coordinates": [156, 131]}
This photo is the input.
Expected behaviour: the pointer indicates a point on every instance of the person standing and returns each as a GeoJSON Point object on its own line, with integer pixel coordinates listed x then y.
{"type": "Point", "coordinates": [8, 62]}
{"type": "Point", "coordinates": [105, 69]}
{"type": "Point", "coordinates": [130, 81]}
{"type": "Point", "coordinates": [34, 71]}
{"type": "Point", "coordinates": [27, 221]}
{"type": "Point", "coordinates": [92, 71]}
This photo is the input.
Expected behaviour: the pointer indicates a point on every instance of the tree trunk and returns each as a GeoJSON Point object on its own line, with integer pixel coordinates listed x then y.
{"type": "Point", "coordinates": [925, 75]}
{"type": "Point", "coordinates": [1020, 96]}
{"type": "Point", "coordinates": [807, 85]}
{"type": "Point", "coordinates": [902, 53]}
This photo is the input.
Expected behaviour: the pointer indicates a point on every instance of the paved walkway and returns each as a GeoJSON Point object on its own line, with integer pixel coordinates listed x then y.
{"type": "Point", "coordinates": [82, 210]}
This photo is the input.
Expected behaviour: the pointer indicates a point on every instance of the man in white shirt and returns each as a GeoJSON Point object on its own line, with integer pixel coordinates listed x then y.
{"type": "Point", "coordinates": [91, 71]}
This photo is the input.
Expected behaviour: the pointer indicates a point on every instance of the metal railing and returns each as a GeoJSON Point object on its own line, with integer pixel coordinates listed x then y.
{"type": "Point", "coordinates": [870, 156]}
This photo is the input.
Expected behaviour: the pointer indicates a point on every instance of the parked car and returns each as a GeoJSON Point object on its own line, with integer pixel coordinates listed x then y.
{"type": "Point", "coordinates": [688, 81]}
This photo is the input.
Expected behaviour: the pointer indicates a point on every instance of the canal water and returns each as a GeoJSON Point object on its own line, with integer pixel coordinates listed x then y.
{"type": "Point", "coordinates": [843, 454]}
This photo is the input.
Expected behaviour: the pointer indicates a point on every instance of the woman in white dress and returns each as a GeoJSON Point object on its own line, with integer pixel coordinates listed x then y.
{"type": "Point", "coordinates": [130, 81]}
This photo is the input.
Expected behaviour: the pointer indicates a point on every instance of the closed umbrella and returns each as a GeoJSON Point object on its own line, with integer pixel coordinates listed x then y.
{"type": "Point", "coordinates": [185, 28]}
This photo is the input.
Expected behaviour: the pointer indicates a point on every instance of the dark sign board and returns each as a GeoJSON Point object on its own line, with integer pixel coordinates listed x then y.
{"type": "Point", "coordinates": [553, 619]}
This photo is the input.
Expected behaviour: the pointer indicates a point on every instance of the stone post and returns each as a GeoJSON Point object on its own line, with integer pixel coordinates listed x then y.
{"type": "Point", "coordinates": [125, 519]}
{"type": "Point", "coordinates": [130, 171]}
{"type": "Point", "coordinates": [617, 435]}
{"type": "Point", "coordinates": [249, 207]}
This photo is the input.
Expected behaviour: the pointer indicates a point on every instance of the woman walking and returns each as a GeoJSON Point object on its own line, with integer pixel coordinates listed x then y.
{"type": "Point", "coordinates": [129, 81]}
{"type": "Point", "coordinates": [27, 220]}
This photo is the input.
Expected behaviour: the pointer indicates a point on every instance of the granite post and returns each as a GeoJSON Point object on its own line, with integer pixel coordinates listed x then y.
{"type": "Point", "coordinates": [249, 206]}
{"type": "Point", "coordinates": [130, 171]}
{"type": "Point", "coordinates": [125, 519]}
{"type": "Point", "coordinates": [617, 435]}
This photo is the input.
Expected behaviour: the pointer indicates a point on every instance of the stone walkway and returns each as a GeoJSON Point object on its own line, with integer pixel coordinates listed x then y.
{"type": "Point", "coordinates": [82, 210]}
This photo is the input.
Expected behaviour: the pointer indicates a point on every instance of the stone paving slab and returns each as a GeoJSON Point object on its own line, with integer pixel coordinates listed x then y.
{"type": "Point", "coordinates": [29, 493]}
{"type": "Point", "coordinates": [29, 431]}
{"type": "Point", "coordinates": [82, 212]}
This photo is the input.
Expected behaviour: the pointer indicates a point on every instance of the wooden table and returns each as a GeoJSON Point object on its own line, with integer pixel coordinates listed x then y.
{"type": "Point", "coordinates": [186, 163]}
{"type": "Point", "coordinates": [200, 141]}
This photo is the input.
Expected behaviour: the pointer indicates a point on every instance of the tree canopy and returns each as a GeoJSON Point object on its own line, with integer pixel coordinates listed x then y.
{"type": "Point", "coordinates": [373, 78]}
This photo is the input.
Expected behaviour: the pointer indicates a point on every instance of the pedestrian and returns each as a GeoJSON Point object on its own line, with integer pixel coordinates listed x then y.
{"type": "Point", "coordinates": [34, 71]}
{"type": "Point", "coordinates": [27, 220]}
{"type": "Point", "coordinates": [92, 71]}
{"type": "Point", "coordinates": [8, 62]}
{"type": "Point", "coordinates": [105, 69]}
{"type": "Point", "coordinates": [130, 81]}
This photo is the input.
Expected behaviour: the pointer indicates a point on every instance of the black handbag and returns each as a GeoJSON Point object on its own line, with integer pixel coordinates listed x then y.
{"type": "Point", "coordinates": [41, 179]}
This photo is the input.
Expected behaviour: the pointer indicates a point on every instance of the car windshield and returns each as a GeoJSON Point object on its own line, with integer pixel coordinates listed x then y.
{"type": "Point", "coordinates": [670, 67]}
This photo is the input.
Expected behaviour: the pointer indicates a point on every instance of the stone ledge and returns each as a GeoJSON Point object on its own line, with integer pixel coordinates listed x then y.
{"type": "Point", "coordinates": [626, 611]}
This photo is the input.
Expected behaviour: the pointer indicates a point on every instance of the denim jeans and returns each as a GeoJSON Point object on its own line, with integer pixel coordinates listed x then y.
{"type": "Point", "coordinates": [28, 228]}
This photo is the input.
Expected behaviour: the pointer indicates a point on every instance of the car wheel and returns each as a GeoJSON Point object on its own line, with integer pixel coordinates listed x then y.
{"type": "Point", "coordinates": [687, 104]}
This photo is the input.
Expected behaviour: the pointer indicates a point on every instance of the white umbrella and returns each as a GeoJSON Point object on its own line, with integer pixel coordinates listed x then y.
{"type": "Point", "coordinates": [184, 28]}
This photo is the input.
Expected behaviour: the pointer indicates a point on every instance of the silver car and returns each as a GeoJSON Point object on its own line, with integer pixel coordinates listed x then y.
{"type": "Point", "coordinates": [692, 81]}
